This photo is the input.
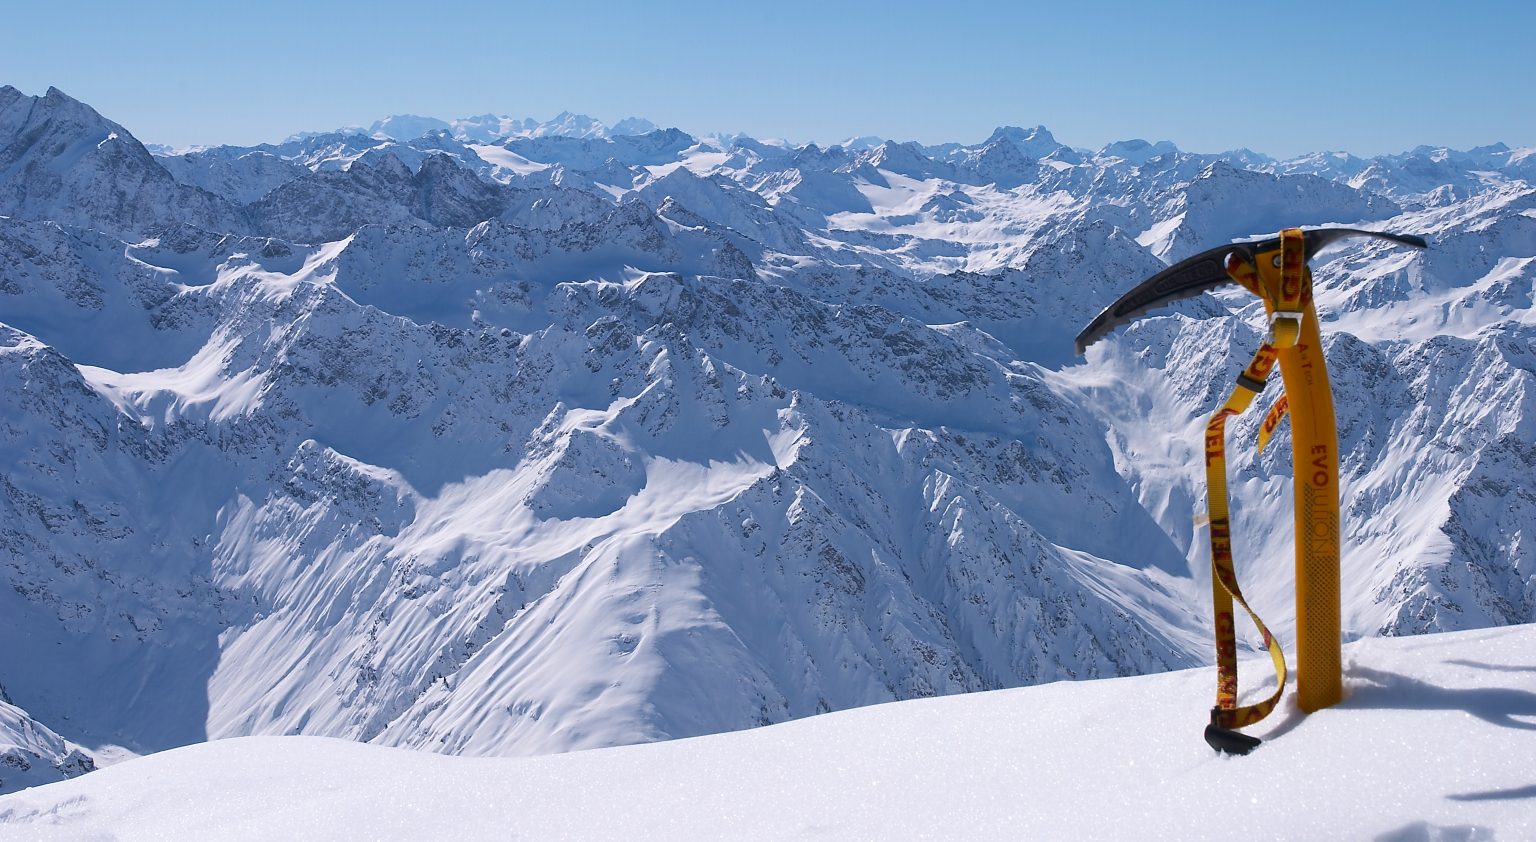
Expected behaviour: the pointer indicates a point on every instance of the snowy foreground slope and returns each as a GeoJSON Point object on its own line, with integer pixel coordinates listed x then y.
{"type": "Point", "coordinates": [516, 438]}
{"type": "Point", "coordinates": [1434, 742]}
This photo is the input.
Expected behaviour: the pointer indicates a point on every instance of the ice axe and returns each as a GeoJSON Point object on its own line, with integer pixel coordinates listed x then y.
{"type": "Point", "coordinates": [1276, 271]}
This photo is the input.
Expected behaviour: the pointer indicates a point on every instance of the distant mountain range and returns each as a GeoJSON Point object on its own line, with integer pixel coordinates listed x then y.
{"type": "Point", "coordinates": [507, 438]}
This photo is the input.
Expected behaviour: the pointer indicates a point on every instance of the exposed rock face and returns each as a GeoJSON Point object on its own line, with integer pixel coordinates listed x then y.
{"type": "Point", "coordinates": [61, 161]}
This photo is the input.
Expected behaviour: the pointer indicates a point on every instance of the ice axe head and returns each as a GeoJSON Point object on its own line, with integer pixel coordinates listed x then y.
{"type": "Point", "coordinates": [1207, 271]}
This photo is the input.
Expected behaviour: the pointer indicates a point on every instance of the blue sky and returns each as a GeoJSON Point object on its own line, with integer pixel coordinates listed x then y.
{"type": "Point", "coordinates": [1298, 76]}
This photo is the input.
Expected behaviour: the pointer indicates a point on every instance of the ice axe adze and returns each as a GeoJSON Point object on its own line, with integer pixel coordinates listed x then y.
{"type": "Point", "coordinates": [1276, 271]}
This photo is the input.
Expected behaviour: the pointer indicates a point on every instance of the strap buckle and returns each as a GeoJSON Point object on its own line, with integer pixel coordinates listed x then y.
{"type": "Point", "coordinates": [1285, 328]}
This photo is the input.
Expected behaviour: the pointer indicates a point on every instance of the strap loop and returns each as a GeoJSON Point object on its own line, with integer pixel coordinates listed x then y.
{"type": "Point", "coordinates": [1224, 588]}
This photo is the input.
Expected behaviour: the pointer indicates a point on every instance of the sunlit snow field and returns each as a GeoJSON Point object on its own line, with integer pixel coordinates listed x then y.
{"type": "Point", "coordinates": [1434, 742]}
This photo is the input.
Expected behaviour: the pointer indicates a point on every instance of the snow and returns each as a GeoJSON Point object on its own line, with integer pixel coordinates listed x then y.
{"type": "Point", "coordinates": [506, 159]}
{"type": "Point", "coordinates": [1502, 295]}
{"type": "Point", "coordinates": [1433, 741]}
{"type": "Point", "coordinates": [31, 754]}
{"type": "Point", "coordinates": [1158, 236]}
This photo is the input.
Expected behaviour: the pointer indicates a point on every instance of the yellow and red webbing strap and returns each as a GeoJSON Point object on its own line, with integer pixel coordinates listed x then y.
{"type": "Point", "coordinates": [1284, 304]}
{"type": "Point", "coordinates": [1224, 587]}
{"type": "Point", "coordinates": [1272, 420]}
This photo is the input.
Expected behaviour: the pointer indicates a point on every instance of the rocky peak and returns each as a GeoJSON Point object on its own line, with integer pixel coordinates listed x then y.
{"type": "Point", "coordinates": [1036, 142]}
{"type": "Point", "coordinates": [63, 161]}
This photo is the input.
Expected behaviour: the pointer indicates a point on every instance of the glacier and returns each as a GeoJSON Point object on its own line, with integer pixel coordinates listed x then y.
{"type": "Point", "coordinates": [517, 438]}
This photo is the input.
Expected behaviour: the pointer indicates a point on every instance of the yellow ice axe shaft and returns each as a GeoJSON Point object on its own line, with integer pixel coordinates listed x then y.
{"type": "Point", "coordinates": [1287, 289]}
{"type": "Point", "coordinates": [1281, 279]}
{"type": "Point", "coordinates": [1315, 457]}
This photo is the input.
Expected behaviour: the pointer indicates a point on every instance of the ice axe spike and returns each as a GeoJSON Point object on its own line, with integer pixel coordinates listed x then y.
{"type": "Point", "coordinates": [1207, 271]}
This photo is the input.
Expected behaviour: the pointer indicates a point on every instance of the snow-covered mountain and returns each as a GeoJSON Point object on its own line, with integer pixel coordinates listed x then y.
{"type": "Point", "coordinates": [490, 128]}
{"type": "Point", "coordinates": [514, 443]}
{"type": "Point", "coordinates": [61, 161]}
